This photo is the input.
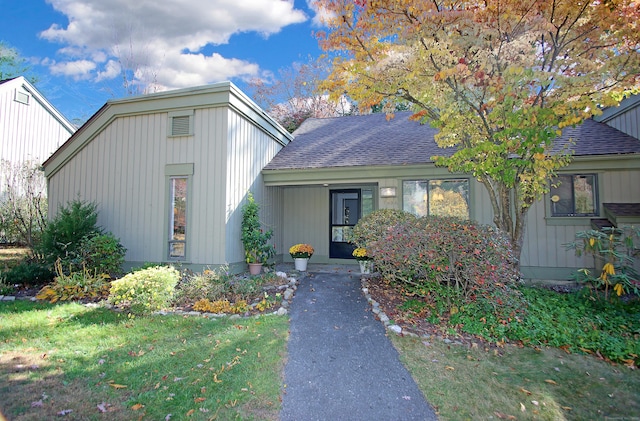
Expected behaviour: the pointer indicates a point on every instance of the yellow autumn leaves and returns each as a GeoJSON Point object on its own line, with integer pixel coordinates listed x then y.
{"type": "Point", "coordinates": [607, 270]}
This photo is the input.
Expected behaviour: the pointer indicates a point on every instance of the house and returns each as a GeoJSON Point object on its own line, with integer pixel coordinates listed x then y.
{"type": "Point", "coordinates": [170, 172]}
{"type": "Point", "coordinates": [338, 169]}
{"type": "Point", "coordinates": [31, 129]}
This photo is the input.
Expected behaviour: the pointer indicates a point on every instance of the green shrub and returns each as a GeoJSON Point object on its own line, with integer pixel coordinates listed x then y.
{"type": "Point", "coordinates": [63, 235]}
{"type": "Point", "coordinates": [102, 253]}
{"type": "Point", "coordinates": [29, 272]}
{"type": "Point", "coordinates": [376, 225]}
{"type": "Point", "coordinates": [471, 258]}
{"type": "Point", "coordinates": [5, 287]}
{"type": "Point", "coordinates": [146, 290]}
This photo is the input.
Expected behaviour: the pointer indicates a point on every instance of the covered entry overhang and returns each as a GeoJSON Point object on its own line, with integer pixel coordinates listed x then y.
{"type": "Point", "coordinates": [318, 206]}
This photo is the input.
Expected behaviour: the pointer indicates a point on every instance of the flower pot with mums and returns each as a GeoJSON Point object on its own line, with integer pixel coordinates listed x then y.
{"type": "Point", "coordinates": [301, 253]}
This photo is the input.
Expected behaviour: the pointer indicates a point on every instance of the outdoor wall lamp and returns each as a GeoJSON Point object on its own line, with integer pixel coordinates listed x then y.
{"type": "Point", "coordinates": [388, 192]}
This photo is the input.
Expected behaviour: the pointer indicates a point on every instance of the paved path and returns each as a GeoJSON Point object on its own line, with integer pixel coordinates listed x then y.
{"type": "Point", "coordinates": [341, 366]}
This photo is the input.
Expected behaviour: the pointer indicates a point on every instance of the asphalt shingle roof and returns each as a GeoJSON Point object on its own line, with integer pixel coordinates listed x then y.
{"type": "Point", "coordinates": [372, 140]}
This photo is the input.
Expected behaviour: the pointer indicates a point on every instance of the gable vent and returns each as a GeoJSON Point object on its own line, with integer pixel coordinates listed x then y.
{"type": "Point", "coordinates": [22, 97]}
{"type": "Point", "coordinates": [180, 126]}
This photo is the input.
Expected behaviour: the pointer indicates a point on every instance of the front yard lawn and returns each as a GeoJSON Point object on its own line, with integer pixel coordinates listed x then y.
{"type": "Point", "coordinates": [93, 363]}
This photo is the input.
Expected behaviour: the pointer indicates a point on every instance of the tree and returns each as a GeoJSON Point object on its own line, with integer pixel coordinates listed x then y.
{"type": "Point", "coordinates": [23, 204]}
{"type": "Point", "coordinates": [500, 79]}
{"type": "Point", "coordinates": [294, 96]}
{"type": "Point", "coordinates": [11, 63]}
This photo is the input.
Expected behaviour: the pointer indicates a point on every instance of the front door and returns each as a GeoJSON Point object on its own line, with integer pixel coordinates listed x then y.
{"type": "Point", "coordinates": [346, 210]}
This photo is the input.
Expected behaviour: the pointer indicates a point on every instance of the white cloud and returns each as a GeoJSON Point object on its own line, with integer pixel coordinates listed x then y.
{"type": "Point", "coordinates": [78, 69]}
{"type": "Point", "coordinates": [165, 38]}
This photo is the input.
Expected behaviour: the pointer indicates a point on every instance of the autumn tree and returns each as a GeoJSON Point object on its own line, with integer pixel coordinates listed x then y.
{"type": "Point", "coordinates": [293, 95]}
{"type": "Point", "coordinates": [500, 79]}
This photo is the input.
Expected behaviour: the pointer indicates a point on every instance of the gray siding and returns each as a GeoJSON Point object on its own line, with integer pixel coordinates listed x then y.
{"type": "Point", "coordinates": [627, 122]}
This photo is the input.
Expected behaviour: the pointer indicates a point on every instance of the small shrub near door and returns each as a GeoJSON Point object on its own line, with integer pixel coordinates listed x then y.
{"type": "Point", "coordinates": [146, 290]}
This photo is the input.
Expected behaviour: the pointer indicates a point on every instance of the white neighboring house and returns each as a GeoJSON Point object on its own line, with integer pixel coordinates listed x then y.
{"type": "Point", "coordinates": [31, 129]}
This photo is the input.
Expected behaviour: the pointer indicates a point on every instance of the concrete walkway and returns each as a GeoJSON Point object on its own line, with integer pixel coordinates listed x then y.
{"type": "Point", "coordinates": [340, 365]}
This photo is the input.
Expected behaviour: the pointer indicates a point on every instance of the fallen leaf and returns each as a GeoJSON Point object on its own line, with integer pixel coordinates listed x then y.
{"type": "Point", "coordinates": [190, 412]}
{"type": "Point", "coordinates": [65, 412]}
{"type": "Point", "coordinates": [137, 406]}
{"type": "Point", "coordinates": [550, 381]}
{"type": "Point", "coordinates": [117, 386]}
{"type": "Point", "coordinates": [504, 416]}
{"type": "Point", "coordinates": [102, 407]}
{"type": "Point", "coordinates": [37, 404]}
{"type": "Point", "coordinates": [167, 418]}
{"type": "Point", "coordinates": [449, 368]}
{"type": "Point", "coordinates": [525, 391]}
{"type": "Point", "coordinates": [535, 403]}
{"type": "Point", "coordinates": [522, 407]}
{"type": "Point", "coordinates": [566, 408]}
{"type": "Point", "coordinates": [198, 400]}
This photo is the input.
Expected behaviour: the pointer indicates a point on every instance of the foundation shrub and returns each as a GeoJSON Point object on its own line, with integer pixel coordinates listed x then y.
{"type": "Point", "coordinates": [376, 226]}
{"type": "Point", "coordinates": [472, 259]}
{"type": "Point", "coordinates": [146, 290]}
{"type": "Point", "coordinates": [102, 253]}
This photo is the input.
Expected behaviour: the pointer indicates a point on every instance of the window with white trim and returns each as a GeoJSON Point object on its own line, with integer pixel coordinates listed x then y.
{"type": "Point", "coordinates": [574, 195]}
{"type": "Point", "coordinates": [445, 197]}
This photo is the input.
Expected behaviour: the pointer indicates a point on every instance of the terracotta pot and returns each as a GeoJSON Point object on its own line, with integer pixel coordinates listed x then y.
{"type": "Point", "coordinates": [255, 268]}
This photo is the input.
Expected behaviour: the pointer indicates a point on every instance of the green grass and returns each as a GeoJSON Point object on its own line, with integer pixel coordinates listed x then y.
{"type": "Point", "coordinates": [64, 357]}
{"type": "Point", "coordinates": [466, 383]}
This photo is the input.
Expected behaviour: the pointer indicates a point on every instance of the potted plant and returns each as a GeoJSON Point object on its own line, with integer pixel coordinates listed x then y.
{"type": "Point", "coordinates": [255, 240]}
{"type": "Point", "coordinates": [301, 253]}
{"type": "Point", "coordinates": [365, 261]}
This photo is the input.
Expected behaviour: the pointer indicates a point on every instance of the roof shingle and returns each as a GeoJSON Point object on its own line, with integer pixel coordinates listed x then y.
{"type": "Point", "coordinates": [372, 140]}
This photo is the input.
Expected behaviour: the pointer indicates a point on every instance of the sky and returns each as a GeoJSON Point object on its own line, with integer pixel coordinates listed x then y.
{"type": "Point", "coordinates": [77, 48]}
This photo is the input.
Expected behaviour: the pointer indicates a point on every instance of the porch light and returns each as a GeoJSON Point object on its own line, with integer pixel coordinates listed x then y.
{"type": "Point", "coordinates": [388, 192]}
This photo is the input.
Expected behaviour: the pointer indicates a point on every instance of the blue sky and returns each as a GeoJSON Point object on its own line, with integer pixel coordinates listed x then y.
{"type": "Point", "coordinates": [78, 48]}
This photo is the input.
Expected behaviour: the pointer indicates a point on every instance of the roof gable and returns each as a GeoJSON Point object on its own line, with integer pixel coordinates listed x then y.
{"type": "Point", "coordinates": [21, 83]}
{"type": "Point", "coordinates": [219, 94]}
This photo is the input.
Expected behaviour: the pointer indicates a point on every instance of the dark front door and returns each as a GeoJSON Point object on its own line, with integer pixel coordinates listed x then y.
{"type": "Point", "coordinates": [346, 209]}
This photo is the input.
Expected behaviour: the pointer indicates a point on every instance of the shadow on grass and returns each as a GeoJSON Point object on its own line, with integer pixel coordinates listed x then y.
{"type": "Point", "coordinates": [152, 366]}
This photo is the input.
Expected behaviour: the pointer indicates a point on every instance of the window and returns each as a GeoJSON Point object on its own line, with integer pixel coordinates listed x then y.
{"type": "Point", "coordinates": [178, 218]}
{"type": "Point", "coordinates": [436, 197]}
{"type": "Point", "coordinates": [178, 199]}
{"type": "Point", "coordinates": [180, 123]}
{"type": "Point", "coordinates": [22, 97]}
{"type": "Point", "coordinates": [574, 195]}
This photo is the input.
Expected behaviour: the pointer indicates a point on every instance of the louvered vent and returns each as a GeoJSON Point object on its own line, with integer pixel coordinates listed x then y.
{"type": "Point", "coordinates": [180, 126]}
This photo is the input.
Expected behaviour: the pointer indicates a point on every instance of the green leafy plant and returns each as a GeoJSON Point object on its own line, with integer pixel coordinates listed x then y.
{"type": "Point", "coordinates": [209, 285]}
{"type": "Point", "coordinates": [254, 239]}
{"type": "Point", "coordinates": [101, 252]}
{"type": "Point", "coordinates": [5, 287]}
{"type": "Point", "coordinates": [614, 252]}
{"type": "Point", "coordinates": [146, 290]}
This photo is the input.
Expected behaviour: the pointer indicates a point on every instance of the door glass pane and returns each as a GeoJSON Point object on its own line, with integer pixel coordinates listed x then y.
{"type": "Point", "coordinates": [366, 197]}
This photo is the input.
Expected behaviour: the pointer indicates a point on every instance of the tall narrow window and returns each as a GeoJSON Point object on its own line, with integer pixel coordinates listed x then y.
{"type": "Point", "coordinates": [178, 218]}
{"type": "Point", "coordinates": [574, 195]}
